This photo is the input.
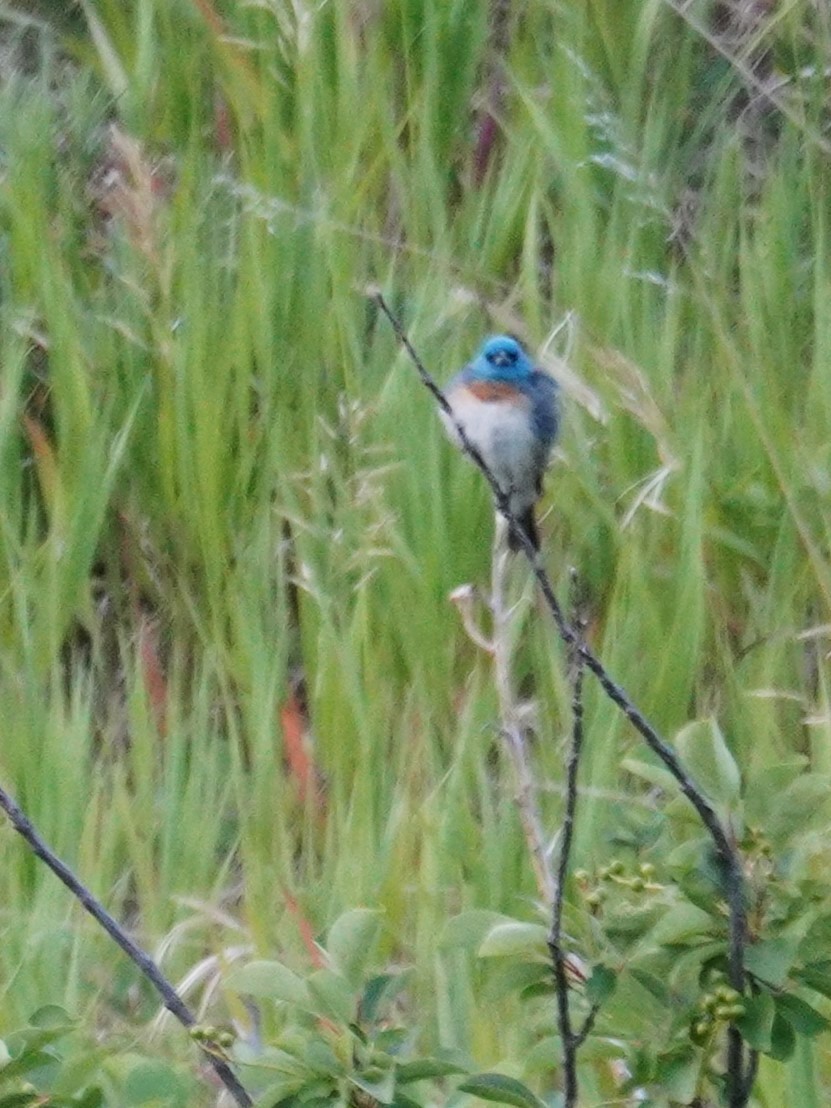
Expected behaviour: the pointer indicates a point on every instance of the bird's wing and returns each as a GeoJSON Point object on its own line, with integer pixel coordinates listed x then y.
{"type": "Point", "coordinates": [545, 410]}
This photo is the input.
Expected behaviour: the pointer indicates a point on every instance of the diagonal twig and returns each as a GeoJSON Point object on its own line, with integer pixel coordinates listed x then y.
{"type": "Point", "coordinates": [172, 1001]}
{"type": "Point", "coordinates": [725, 847]}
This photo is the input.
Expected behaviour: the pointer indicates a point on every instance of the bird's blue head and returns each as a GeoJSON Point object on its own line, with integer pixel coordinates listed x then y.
{"type": "Point", "coordinates": [502, 358]}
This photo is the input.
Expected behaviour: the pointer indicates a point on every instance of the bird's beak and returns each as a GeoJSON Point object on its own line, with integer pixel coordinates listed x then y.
{"type": "Point", "coordinates": [500, 358]}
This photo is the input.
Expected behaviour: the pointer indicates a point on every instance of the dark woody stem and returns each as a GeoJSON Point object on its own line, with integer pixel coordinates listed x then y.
{"type": "Point", "coordinates": [172, 1001]}
{"type": "Point", "coordinates": [725, 847]}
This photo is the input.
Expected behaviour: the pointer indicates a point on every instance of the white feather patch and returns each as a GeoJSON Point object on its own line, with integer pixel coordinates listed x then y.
{"type": "Point", "coordinates": [501, 432]}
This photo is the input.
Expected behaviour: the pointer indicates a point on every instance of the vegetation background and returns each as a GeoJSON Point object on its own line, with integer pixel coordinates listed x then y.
{"type": "Point", "coordinates": [233, 694]}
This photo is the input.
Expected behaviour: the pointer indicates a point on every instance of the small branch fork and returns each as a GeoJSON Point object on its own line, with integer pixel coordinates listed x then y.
{"type": "Point", "coordinates": [172, 1001]}
{"type": "Point", "coordinates": [725, 847]}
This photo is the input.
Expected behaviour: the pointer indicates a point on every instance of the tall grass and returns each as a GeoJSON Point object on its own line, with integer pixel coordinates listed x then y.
{"type": "Point", "coordinates": [217, 474]}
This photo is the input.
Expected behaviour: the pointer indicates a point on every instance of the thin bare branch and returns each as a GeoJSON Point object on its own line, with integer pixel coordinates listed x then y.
{"type": "Point", "coordinates": [172, 1001]}
{"type": "Point", "coordinates": [722, 839]}
{"type": "Point", "coordinates": [571, 1041]}
{"type": "Point", "coordinates": [512, 729]}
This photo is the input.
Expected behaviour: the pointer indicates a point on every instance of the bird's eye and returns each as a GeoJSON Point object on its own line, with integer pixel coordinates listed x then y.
{"type": "Point", "coordinates": [505, 355]}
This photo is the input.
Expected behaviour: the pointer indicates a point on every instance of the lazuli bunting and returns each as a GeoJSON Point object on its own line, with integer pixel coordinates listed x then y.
{"type": "Point", "coordinates": [510, 412]}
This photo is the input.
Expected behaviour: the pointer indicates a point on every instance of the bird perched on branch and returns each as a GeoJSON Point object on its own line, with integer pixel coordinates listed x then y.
{"type": "Point", "coordinates": [510, 412]}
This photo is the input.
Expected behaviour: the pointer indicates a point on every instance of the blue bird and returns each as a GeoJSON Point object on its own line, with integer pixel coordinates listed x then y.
{"type": "Point", "coordinates": [510, 412]}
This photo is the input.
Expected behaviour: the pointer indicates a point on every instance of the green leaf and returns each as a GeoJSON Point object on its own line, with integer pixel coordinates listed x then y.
{"type": "Point", "coordinates": [597, 1048]}
{"type": "Point", "coordinates": [805, 804]}
{"type": "Point", "coordinates": [317, 1094]}
{"type": "Point", "coordinates": [651, 772]}
{"type": "Point", "coordinates": [380, 1087]}
{"type": "Point", "coordinates": [502, 1090]}
{"type": "Point", "coordinates": [34, 1038]}
{"type": "Point", "coordinates": [546, 1054]}
{"type": "Point", "coordinates": [681, 924]}
{"type": "Point", "coordinates": [707, 757]}
{"type": "Point", "coordinates": [757, 1022]}
{"type": "Point", "coordinates": [31, 1058]}
{"type": "Point", "coordinates": [511, 977]}
{"type": "Point", "coordinates": [78, 1070]}
{"type": "Point", "coordinates": [802, 1017]}
{"type": "Point", "coordinates": [404, 1101]}
{"type": "Point", "coordinates": [425, 1068]}
{"type": "Point", "coordinates": [601, 984]}
{"type": "Point", "coordinates": [817, 976]}
{"type": "Point", "coordinates": [391, 1040]}
{"type": "Point", "coordinates": [280, 1090]}
{"type": "Point", "coordinates": [540, 988]}
{"type": "Point", "coordinates": [653, 984]}
{"type": "Point", "coordinates": [771, 959]}
{"type": "Point", "coordinates": [151, 1081]}
{"type": "Point", "coordinates": [766, 784]}
{"type": "Point", "coordinates": [510, 939]}
{"type": "Point", "coordinates": [679, 1074]}
{"type": "Point", "coordinates": [782, 1039]}
{"type": "Point", "coordinates": [92, 1098]}
{"type": "Point", "coordinates": [351, 942]}
{"type": "Point", "coordinates": [51, 1018]}
{"type": "Point", "coordinates": [816, 941]}
{"type": "Point", "coordinates": [699, 871]}
{"type": "Point", "coordinates": [469, 928]}
{"type": "Point", "coordinates": [380, 991]}
{"type": "Point", "coordinates": [332, 996]}
{"type": "Point", "coordinates": [319, 1057]}
{"type": "Point", "coordinates": [269, 980]}
{"type": "Point", "coordinates": [630, 923]}
{"type": "Point", "coordinates": [687, 964]}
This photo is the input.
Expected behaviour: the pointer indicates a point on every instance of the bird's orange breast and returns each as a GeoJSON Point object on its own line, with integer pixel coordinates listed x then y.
{"type": "Point", "coordinates": [491, 390]}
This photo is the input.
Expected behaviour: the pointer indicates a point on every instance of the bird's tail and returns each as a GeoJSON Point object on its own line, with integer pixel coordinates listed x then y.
{"type": "Point", "coordinates": [529, 526]}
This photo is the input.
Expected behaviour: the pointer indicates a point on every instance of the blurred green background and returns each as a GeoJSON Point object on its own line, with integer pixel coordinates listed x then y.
{"type": "Point", "coordinates": [233, 694]}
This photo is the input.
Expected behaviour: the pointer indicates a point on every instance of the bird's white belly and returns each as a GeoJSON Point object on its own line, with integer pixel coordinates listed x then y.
{"type": "Point", "coordinates": [501, 432]}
